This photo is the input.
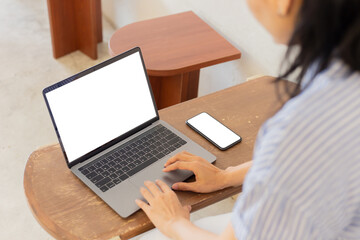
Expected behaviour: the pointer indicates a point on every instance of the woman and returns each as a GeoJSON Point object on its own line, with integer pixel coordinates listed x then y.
{"type": "Point", "coordinates": [304, 182]}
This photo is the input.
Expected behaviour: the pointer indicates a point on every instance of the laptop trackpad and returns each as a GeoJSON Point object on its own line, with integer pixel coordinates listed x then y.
{"type": "Point", "coordinates": [154, 172]}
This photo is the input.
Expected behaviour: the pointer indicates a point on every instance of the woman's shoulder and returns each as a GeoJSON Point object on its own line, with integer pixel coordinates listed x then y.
{"type": "Point", "coordinates": [333, 92]}
{"type": "Point", "coordinates": [321, 125]}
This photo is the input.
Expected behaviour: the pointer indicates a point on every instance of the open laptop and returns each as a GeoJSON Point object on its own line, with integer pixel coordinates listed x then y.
{"type": "Point", "coordinates": [110, 133]}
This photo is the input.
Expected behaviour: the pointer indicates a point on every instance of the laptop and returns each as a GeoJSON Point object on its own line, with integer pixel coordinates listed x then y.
{"type": "Point", "coordinates": [110, 132]}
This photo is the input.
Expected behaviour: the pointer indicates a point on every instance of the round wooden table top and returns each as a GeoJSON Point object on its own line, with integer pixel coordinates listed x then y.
{"type": "Point", "coordinates": [174, 44]}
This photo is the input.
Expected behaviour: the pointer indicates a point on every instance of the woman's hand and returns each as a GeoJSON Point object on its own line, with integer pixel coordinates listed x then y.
{"type": "Point", "coordinates": [164, 208]}
{"type": "Point", "coordinates": [208, 177]}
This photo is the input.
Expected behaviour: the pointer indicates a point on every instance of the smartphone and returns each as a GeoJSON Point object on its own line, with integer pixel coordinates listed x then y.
{"type": "Point", "coordinates": [214, 131]}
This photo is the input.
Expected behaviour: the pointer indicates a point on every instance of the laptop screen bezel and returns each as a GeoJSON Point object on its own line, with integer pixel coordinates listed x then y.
{"type": "Point", "coordinates": [117, 139]}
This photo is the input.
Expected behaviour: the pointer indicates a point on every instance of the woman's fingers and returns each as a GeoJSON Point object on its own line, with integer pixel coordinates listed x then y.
{"type": "Point", "coordinates": [155, 191]}
{"type": "Point", "coordinates": [187, 153]}
{"type": "Point", "coordinates": [184, 186]}
{"type": "Point", "coordinates": [181, 165]}
{"type": "Point", "coordinates": [146, 194]}
{"type": "Point", "coordinates": [163, 186]}
{"type": "Point", "coordinates": [183, 156]}
{"type": "Point", "coordinates": [145, 207]}
{"type": "Point", "coordinates": [187, 208]}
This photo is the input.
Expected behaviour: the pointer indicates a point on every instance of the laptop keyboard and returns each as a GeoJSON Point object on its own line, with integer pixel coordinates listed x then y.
{"type": "Point", "coordinates": [128, 159]}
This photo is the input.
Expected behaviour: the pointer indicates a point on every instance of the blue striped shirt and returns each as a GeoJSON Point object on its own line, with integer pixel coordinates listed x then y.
{"type": "Point", "coordinates": [305, 178]}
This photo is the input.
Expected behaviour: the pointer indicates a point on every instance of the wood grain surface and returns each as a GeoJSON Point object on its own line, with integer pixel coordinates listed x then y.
{"type": "Point", "coordinates": [67, 209]}
{"type": "Point", "coordinates": [174, 44]}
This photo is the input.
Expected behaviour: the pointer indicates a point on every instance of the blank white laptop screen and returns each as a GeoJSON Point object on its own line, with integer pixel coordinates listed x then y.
{"type": "Point", "coordinates": [101, 106]}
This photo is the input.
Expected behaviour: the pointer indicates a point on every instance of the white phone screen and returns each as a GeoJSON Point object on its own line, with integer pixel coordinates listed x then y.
{"type": "Point", "coordinates": [213, 130]}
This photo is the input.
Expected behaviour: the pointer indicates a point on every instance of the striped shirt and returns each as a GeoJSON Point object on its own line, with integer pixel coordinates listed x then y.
{"type": "Point", "coordinates": [305, 178]}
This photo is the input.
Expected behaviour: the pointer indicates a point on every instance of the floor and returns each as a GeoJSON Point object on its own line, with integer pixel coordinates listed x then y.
{"type": "Point", "coordinates": [27, 66]}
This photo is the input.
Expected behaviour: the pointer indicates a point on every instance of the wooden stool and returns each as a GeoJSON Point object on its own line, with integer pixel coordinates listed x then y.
{"type": "Point", "coordinates": [175, 48]}
{"type": "Point", "coordinates": [75, 25]}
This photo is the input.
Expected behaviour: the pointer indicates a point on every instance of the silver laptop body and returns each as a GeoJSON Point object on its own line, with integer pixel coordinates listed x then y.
{"type": "Point", "coordinates": [100, 113]}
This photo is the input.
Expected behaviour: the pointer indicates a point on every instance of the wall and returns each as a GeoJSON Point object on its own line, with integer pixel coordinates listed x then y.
{"type": "Point", "coordinates": [231, 18]}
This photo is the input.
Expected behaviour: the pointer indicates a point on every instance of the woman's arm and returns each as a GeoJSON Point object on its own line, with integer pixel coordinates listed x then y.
{"type": "Point", "coordinates": [170, 217]}
{"type": "Point", "coordinates": [187, 230]}
{"type": "Point", "coordinates": [235, 176]}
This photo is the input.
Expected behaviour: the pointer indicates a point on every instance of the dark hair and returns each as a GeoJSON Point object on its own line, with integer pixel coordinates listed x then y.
{"type": "Point", "coordinates": [324, 30]}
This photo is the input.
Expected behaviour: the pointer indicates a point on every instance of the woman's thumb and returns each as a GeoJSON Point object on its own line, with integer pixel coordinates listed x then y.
{"type": "Point", "coordinates": [182, 186]}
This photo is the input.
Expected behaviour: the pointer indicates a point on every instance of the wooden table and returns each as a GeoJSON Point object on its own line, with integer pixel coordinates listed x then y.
{"type": "Point", "coordinates": [67, 209]}
{"type": "Point", "coordinates": [175, 48]}
{"type": "Point", "coordinates": [75, 25]}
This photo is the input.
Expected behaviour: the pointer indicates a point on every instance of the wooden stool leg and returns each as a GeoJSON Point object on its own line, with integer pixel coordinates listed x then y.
{"type": "Point", "coordinates": [172, 90]}
{"type": "Point", "coordinates": [75, 24]}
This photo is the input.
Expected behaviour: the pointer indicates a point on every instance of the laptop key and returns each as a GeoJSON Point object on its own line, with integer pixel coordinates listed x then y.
{"type": "Point", "coordinates": [103, 182]}
{"type": "Point", "coordinates": [97, 178]}
{"type": "Point", "coordinates": [91, 168]}
{"type": "Point", "coordinates": [98, 164]}
{"type": "Point", "coordinates": [110, 184]}
{"type": "Point", "coordinates": [117, 181]}
{"type": "Point", "coordinates": [112, 164]}
{"type": "Point", "coordinates": [111, 170]}
{"type": "Point", "coordinates": [125, 169]}
{"type": "Point", "coordinates": [160, 155]}
{"type": "Point", "coordinates": [131, 165]}
{"type": "Point", "coordinates": [137, 162]}
{"type": "Point", "coordinates": [91, 175]}
{"type": "Point", "coordinates": [117, 167]}
{"type": "Point", "coordinates": [113, 176]}
{"type": "Point", "coordinates": [105, 167]}
{"type": "Point", "coordinates": [135, 150]}
{"type": "Point", "coordinates": [85, 171]}
{"type": "Point", "coordinates": [119, 173]}
{"type": "Point", "coordinates": [105, 173]}
{"type": "Point", "coordinates": [123, 177]}
{"type": "Point", "coordinates": [104, 188]}
{"type": "Point", "coordinates": [173, 141]}
{"type": "Point", "coordinates": [99, 170]}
